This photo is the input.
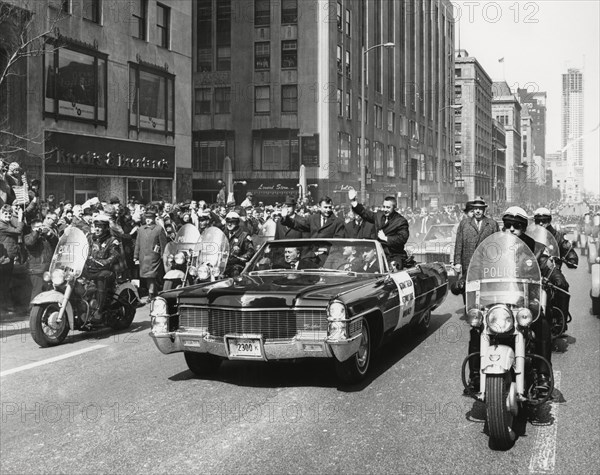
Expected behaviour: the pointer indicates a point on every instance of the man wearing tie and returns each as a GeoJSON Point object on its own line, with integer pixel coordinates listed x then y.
{"type": "Point", "coordinates": [370, 261]}
{"type": "Point", "coordinates": [323, 224]}
{"type": "Point", "coordinates": [391, 228]}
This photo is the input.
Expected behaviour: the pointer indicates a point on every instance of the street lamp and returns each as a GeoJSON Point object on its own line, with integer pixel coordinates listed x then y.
{"type": "Point", "coordinates": [363, 112]}
{"type": "Point", "coordinates": [439, 146]}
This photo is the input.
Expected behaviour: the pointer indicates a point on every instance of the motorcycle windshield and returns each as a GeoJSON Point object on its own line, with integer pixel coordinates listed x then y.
{"type": "Point", "coordinates": [503, 270]}
{"type": "Point", "coordinates": [542, 235]}
{"type": "Point", "coordinates": [186, 239]}
{"type": "Point", "coordinates": [214, 248]}
{"type": "Point", "coordinates": [71, 251]}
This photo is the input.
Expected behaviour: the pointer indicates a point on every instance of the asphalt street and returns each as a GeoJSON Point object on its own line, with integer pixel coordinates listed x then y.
{"type": "Point", "coordinates": [106, 402]}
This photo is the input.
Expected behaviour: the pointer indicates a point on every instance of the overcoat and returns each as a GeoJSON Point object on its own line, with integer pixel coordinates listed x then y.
{"type": "Point", "coordinates": [333, 227]}
{"type": "Point", "coordinates": [149, 247]}
{"type": "Point", "coordinates": [468, 238]}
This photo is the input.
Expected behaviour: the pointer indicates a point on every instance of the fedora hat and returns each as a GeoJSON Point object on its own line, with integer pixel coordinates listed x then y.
{"type": "Point", "coordinates": [479, 202]}
{"type": "Point", "coordinates": [290, 201]}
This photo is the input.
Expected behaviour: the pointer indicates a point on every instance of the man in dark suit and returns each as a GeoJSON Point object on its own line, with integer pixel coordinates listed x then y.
{"type": "Point", "coordinates": [286, 232]}
{"type": "Point", "coordinates": [358, 228]}
{"type": "Point", "coordinates": [391, 227]}
{"type": "Point", "coordinates": [323, 224]}
{"type": "Point", "coordinates": [369, 261]}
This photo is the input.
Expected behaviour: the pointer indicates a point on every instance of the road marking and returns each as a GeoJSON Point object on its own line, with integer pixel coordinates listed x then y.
{"type": "Point", "coordinates": [50, 360]}
{"type": "Point", "coordinates": [544, 453]}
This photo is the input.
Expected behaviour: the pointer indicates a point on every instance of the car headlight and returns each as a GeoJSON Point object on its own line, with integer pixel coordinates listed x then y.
{"type": "Point", "coordinates": [203, 272]}
{"type": "Point", "coordinates": [160, 324]}
{"type": "Point", "coordinates": [500, 320]}
{"type": "Point", "coordinates": [179, 258]}
{"type": "Point", "coordinates": [58, 277]}
{"type": "Point", "coordinates": [524, 317]}
{"type": "Point", "coordinates": [158, 306]}
{"type": "Point", "coordinates": [475, 317]}
{"type": "Point", "coordinates": [336, 316]}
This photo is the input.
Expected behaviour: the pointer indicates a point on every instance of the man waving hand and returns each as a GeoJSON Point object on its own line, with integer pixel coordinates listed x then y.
{"type": "Point", "coordinates": [391, 228]}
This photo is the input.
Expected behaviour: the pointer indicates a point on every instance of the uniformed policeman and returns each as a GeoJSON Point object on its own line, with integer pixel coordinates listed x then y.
{"type": "Point", "coordinates": [104, 256]}
{"type": "Point", "coordinates": [241, 247]}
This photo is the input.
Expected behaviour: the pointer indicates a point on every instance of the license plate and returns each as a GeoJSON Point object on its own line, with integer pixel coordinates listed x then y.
{"type": "Point", "coordinates": [191, 343]}
{"type": "Point", "coordinates": [244, 348]}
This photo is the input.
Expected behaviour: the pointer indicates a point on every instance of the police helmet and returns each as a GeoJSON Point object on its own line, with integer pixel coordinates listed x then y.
{"type": "Point", "coordinates": [515, 215]}
{"type": "Point", "coordinates": [542, 214]}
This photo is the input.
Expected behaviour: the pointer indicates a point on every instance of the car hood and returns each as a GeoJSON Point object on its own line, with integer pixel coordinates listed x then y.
{"type": "Point", "coordinates": [274, 290]}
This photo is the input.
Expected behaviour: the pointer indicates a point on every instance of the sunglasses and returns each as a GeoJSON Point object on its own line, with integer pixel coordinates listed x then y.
{"type": "Point", "coordinates": [512, 224]}
{"type": "Point", "coordinates": [541, 221]}
{"type": "Point", "coordinates": [232, 221]}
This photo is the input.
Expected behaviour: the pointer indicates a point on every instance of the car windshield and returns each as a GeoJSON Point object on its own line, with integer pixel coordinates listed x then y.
{"type": "Point", "coordinates": [441, 232]}
{"type": "Point", "coordinates": [339, 255]}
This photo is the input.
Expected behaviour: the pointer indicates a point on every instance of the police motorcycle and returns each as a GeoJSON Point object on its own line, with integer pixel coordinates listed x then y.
{"type": "Point", "coordinates": [213, 255]}
{"type": "Point", "coordinates": [504, 297]}
{"type": "Point", "coordinates": [558, 299]}
{"type": "Point", "coordinates": [72, 303]}
{"type": "Point", "coordinates": [180, 258]}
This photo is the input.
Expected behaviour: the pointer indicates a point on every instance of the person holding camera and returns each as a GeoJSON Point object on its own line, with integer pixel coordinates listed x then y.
{"type": "Point", "coordinates": [40, 242]}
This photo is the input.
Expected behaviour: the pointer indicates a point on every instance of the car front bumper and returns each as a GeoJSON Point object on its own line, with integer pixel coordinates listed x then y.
{"type": "Point", "coordinates": [297, 347]}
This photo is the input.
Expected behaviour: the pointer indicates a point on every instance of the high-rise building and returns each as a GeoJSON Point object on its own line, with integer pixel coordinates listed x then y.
{"type": "Point", "coordinates": [277, 85]}
{"type": "Point", "coordinates": [473, 128]}
{"type": "Point", "coordinates": [107, 97]}
{"type": "Point", "coordinates": [535, 103]}
{"type": "Point", "coordinates": [572, 127]}
{"type": "Point", "coordinates": [507, 110]}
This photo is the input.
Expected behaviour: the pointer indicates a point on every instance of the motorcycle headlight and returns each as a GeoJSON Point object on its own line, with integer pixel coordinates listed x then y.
{"type": "Point", "coordinates": [524, 317]}
{"type": "Point", "coordinates": [203, 272]}
{"type": "Point", "coordinates": [475, 317]}
{"type": "Point", "coordinates": [158, 306]}
{"type": "Point", "coordinates": [47, 277]}
{"type": "Point", "coordinates": [500, 320]}
{"type": "Point", "coordinates": [179, 258]}
{"type": "Point", "coordinates": [193, 271]}
{"type": "Point", "coordinates": [58, 277]}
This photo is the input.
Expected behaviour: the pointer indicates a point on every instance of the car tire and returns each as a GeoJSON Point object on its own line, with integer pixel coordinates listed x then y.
{"type": "Point", "coordinates": [202, 364]}
{"type": "Point", "coordinates": [355, 368]}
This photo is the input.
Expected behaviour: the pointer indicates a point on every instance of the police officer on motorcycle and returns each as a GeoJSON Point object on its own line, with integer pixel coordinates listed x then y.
{"type": "Point", "coordinates": [104, 255]}
{"type": "Point", "coordinates": [241, 246]}
{"type": "Point", "coordinates": [543, 217]}
{"type": "Point", "coordinates": [515, 221]}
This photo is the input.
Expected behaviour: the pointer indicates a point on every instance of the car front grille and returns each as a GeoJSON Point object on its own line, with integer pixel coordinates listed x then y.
{"type": "Point", "coordinates": [273, 324]}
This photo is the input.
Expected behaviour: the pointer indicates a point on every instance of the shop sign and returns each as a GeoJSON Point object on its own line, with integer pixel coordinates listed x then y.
{"type": "Point", "coordinates": [100, 156]}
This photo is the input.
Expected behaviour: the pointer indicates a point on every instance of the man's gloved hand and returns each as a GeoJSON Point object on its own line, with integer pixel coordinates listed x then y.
{"type": "Point", "coordinates": [352, 194]}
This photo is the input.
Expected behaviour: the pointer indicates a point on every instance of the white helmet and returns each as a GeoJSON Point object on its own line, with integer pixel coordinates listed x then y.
{"type": "Point", "coordinates": [542, 213]}
{"type": "Point", "coordinates": [516, 213]}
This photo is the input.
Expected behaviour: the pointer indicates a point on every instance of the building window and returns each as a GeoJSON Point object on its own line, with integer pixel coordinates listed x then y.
{"type": "Point", "coordinates": [224, 35]}
{"type": "Point", "coordinates": [349, 105]}
{"type": "Point", "coordinates": [391, 161]}
{"type": "Point", "coordinates": [75, 81]}
{"type": "Point", "coordinates": [262, 99]}
{"type": "Point", "coordinates": [203, 101]}
{"type": "Point", "coordinates": [343, 155]}
{"type": "Point", "coordinates": [275, 150]}
{"type": "Point", "coordinates": [403, 168]}
{"type": "Point", "coordinates": [262, 55]}
{"type": "Point", "coordinates": [151, 99]}
{"type": "Point", "coordinates": [339, 60]}
{"type": "Point", "coordinates": [348, 68]}
{"type": "Point", "coordinates": [163, 20]}
{"type": "Point", "coordinates": [140, 14]}
{"type": "Point", "coordinates": [378, 117]}
{"type": "Point", "coordinates": [204, 32]}
{"type": "Point", "coordinates": [289, 12]}
{"type": "Point", "coordinates": [339, 17]}
{"type": "Point", "coordinates": [262, 13]}
{"type": "Point", "coordinates": [208, 155]}
{"type": "Point", "coordinates": [378, 152]}
{"type": "Point", "coordinates": [348, 21]}
{"type": "Point", "coordinates": [340, 104]}
{"type": "Point", "coordinates": [222, 100]}
{"type": "Point", "coordinates": [91, 10]}
{"type": "Point", "coordinates": [289, 99]}
{"type": "Point", "coordinates": [391, 121]}
{"type": "Point", "coordinates": [289, 54]}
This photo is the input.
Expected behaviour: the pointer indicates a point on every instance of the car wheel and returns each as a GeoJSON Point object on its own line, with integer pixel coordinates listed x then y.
{"type": "Point", "coordinates": [202, 364]}
{"type": "Point", "coordinates": [354, 369]}
{"type": "Point", "coordinates": [423, 325]}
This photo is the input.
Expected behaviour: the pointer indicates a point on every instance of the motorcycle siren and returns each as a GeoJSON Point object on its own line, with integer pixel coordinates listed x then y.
{"type": "Point", "coordinates": [542, 215]}
{"type": "Point", "coordinates": [516, 216]}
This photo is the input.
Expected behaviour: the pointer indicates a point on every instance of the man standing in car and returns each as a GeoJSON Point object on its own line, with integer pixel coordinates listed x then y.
{"type": "Point", "coordinates": [323, 224]}
{"type": "Point", "coordinates": [391, 228]}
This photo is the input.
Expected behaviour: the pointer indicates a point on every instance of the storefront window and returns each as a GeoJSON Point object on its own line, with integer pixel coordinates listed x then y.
{"type": "Point", "coordinates": [60, 186]}
{"type": "Point", "coordinates": [161, 190]}
{"type": "Point", "coordinates": [75, 83]}
{"type": "Point", "coordinates": [151, 101]}
{"type": "Point", "coordinates": [139, 189]}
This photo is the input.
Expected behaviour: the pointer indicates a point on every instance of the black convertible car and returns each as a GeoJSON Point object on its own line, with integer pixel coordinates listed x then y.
{"type": "Point", "coordinates": [316, 298]}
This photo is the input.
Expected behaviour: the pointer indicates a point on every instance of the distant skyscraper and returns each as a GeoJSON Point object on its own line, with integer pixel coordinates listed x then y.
{"type": "Point", "coordinates": [572, 126]}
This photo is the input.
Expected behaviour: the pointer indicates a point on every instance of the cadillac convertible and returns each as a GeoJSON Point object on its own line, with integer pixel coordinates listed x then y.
{"type": "Point", "coordinates": [309, 298]}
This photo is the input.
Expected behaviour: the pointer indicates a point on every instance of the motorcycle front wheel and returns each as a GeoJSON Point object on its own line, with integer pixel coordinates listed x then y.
{"type": "Point", "coordinates": [44, 328]}
{"type": "Point", "coordinates": [124, 314]}
{"type": "Point", "coordinates": [499, 418]}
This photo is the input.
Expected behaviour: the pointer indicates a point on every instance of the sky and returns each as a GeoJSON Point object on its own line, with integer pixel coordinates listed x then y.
{"type": "Point", "coordinates": [539, 40]}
